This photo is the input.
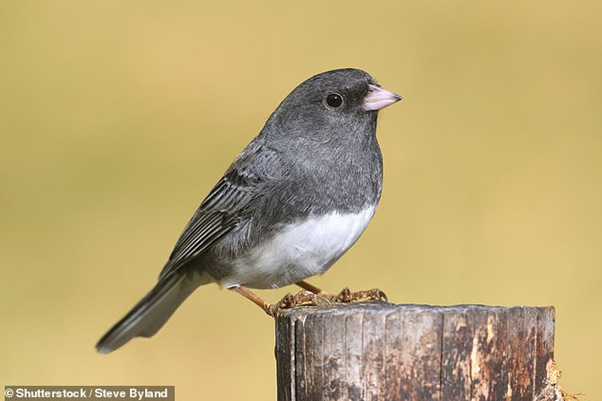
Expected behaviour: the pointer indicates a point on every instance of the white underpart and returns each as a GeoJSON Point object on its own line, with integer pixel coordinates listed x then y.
{"type": "Point", "coordinates": [301, 250]}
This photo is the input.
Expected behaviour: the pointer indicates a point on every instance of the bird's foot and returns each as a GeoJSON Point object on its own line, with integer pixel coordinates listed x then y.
{"type": "Point", "coordinates": [290, 301]}
{"type": "Point", "coordinates": [346, 296]}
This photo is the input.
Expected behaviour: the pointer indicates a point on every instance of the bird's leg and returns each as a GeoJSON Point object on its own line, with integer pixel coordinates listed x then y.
{"type": "Point", "coordinates": [256, 299]}
{"type": "Point", "coordinates": [287, 302]}
{"type": "Point", "coordinates": [308, 287]}
{"type": "Point", "coordinates": [346, 296]}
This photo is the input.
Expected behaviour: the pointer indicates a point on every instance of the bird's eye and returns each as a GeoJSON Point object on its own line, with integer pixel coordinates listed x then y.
{"type": "Point", "coordinates": [334, 100]}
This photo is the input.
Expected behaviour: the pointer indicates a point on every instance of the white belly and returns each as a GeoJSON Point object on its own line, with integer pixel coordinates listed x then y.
{"type": "Point", "coordinates": [299, 251]}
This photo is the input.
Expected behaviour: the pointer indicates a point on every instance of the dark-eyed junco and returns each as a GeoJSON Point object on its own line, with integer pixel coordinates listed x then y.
{"type": "Point", "coordinates": [295, 199]}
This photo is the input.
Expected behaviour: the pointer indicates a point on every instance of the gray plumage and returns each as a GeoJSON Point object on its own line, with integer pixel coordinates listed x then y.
{"type": "Point", "coordinates": [310, 163]}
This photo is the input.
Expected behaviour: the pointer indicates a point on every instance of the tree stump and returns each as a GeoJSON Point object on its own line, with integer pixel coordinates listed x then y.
{"type": "Point", "coordinates": [381, 351]}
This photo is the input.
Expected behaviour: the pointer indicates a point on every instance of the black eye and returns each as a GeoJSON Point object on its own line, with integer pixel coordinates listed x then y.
{"type": "Point", "coordinates": [334, 100]}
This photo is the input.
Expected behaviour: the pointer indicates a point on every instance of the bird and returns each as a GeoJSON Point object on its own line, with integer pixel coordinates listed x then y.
{"type": "Point", "coordinates": [295, 199]}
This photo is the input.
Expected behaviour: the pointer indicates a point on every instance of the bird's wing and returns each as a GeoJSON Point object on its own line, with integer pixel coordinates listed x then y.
{"type": "Point", "coordinates": [220, 211]}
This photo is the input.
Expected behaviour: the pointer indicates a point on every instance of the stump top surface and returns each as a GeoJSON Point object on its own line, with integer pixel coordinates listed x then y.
{"type": "Point", "coordinates": [387, 308]}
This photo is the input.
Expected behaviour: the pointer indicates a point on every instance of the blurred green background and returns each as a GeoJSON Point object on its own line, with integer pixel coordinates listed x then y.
{"type": "Point", "coordinates": [116, 118]}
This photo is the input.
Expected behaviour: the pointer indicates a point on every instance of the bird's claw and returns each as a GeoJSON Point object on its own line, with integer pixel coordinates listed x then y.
{"type": "Point", "coordinates": [290, 301]}
{"type": "Point", "coordinates": [309, 298]}
{"type": "Point", "coordinates": [346, 296]}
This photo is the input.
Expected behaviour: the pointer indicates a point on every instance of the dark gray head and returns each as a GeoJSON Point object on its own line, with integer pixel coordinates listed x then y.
{"type": "Point", "coordinates": [332, 104]}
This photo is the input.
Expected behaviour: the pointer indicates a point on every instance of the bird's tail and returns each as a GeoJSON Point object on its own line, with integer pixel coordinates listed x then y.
{"type": "Point", "coordinates": [151, 313]}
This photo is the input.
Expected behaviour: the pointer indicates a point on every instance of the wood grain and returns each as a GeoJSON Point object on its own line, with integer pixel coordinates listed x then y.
{"type": "Point", "coordinates": [380, 351]}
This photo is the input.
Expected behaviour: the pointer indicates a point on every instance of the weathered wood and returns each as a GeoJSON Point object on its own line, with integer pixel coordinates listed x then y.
{"type": "Point", "coordinates": [379, 351]}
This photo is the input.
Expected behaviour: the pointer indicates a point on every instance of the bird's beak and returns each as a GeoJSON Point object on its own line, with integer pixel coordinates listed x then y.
{"type": "Point", "coordinates": [379, 98]}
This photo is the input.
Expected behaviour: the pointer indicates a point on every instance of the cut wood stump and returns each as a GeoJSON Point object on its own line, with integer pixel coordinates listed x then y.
{"type": "Point", "coordinates": [381, 351]}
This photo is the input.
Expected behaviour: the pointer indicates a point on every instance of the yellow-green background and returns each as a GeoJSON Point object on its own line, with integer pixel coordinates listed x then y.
{"type": "Point", "coordinates": [117, 117]}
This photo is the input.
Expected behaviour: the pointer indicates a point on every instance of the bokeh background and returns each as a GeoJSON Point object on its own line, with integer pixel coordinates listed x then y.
{"type": "Point", "coordinates": [116, 118]}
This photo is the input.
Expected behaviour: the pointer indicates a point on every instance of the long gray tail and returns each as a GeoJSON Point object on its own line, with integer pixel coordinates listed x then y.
{"type": "Point", "coordinates": [151, 313]}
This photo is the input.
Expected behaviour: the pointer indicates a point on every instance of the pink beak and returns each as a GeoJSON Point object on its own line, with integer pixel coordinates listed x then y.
{"type": "Point", "coordinates": [379, 98]}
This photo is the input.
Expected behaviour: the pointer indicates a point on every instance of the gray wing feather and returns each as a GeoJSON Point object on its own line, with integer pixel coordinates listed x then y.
{"type": "Point", "coordinates": [219, 213]}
